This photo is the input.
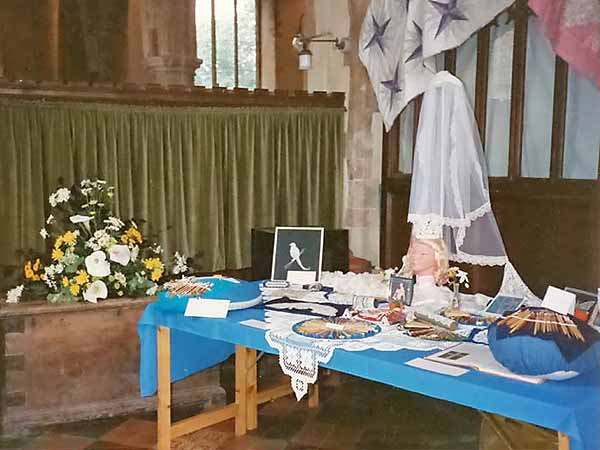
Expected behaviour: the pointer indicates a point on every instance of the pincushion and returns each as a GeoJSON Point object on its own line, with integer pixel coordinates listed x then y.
{"type": "Point", "coordinates": [540, 342]}
{"type": "Point", "coordinates": [241, 294]}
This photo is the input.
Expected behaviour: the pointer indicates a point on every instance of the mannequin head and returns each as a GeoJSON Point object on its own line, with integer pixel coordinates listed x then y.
{"type": "Point", "coordinates": [427, 257]}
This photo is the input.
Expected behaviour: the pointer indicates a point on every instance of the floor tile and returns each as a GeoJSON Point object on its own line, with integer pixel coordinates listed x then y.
{"type": "Point", "coordinates": [103, 445]}
{"type": "Point", "coordinates": [88, 428]}
{"type": "Point", "coordinates": [56, 441]}
{"type": "Point", "coordinates": [134, 433]}
{"type": "Point", "coordinates": [312, 434]}
{"type": "Point", "coordinates": [206, 439]}
{"type": "Point", "coordinates": [253, 442]}
{"type": "Point", "coordinates": [342, 437]}
{"type": "Point", "coordinates": [15, 442]}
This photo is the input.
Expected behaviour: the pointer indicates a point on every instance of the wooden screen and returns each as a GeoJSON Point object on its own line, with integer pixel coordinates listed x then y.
{"type": "Point", "coordinates": [550, 226]}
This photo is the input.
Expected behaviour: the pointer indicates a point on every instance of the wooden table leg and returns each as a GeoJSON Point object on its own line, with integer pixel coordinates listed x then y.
{"type": "Point", "coordinates": [252, 388]}
{"type": "Point", "coordinates": [241, 389]}
{"type": "Point", "coordinates": [313, 395]}
{"type": "Point", "coordinates": [164, 388]}
{"type": "Point", "coordinates": [563, 441]}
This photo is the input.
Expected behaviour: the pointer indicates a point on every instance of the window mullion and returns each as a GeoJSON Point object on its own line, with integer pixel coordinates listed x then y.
{"type": "Point", "coordinates": [213, 43]}
{"type": "Point", "coordinates": [236, 61]}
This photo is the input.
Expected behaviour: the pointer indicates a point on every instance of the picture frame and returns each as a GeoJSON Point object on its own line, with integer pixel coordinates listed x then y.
{"type": "Point", "coordinates": [400, 290]}
{"type": "Point", "coordinates": [503, 303]}
{"type": "Point", "coordinates": [297, 254]}
{"type": "Point", "coordinates": [586, 305]}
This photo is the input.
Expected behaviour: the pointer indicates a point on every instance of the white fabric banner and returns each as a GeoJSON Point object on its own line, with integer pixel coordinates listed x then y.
{"type": "Point", "coordinates": [400, 38]}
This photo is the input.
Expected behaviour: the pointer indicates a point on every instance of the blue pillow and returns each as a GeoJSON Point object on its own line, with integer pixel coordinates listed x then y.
{"type": "Point", "coordinates": [242, 294]}
{"type": "Point", "coordinates": [532, 355]}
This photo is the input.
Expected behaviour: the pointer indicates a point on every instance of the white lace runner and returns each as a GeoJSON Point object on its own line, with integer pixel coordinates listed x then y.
{"type": "Point", "coordinates": [300, 356]}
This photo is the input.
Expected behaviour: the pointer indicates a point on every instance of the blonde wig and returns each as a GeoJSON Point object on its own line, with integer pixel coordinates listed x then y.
{"type": "Point", "coordinates": [441, 258]}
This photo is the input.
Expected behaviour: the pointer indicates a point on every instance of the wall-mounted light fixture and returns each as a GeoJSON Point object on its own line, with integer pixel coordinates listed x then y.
{"type": "Point", "coordinates": [301, 44]}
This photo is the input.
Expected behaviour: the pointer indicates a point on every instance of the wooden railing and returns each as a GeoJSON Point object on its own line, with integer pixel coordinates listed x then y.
{"type": "Point", "coordinates": [156, 94]}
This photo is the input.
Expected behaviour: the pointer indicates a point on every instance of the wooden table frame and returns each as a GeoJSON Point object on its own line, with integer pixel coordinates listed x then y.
{"type": "Point", "coordinates": [247, 398]}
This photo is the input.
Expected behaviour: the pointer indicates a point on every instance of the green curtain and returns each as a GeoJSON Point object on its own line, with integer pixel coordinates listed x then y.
{"type": "Point", "coordinates": [200, 178]}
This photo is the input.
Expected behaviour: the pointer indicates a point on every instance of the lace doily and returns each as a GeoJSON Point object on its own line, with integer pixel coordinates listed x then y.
{"type": "Point", "coordinates": [299, 356]}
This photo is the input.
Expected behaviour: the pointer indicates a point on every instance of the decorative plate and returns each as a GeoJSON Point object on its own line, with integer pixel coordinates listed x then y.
{"type": "Point", "coordinates": [336, 328]}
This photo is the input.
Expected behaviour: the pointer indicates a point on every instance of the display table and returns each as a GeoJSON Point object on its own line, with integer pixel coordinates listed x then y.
{"type": "Point", "coordinates": [187, 345]}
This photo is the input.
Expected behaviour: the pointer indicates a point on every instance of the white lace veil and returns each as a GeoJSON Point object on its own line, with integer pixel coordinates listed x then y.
{"type": "Point", "coordinates": [449, 196]}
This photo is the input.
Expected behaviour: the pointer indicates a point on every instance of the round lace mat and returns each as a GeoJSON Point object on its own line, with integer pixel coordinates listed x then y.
{"type": "Point", "coordinates": [336, 328]}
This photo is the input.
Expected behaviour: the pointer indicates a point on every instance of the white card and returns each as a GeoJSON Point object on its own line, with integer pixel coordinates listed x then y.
{"type": "Point", "coordinates": [562, 302]}
{"type": "Point", "coordinates": [432, 366]}
{"type": "Point", "coordinates": [204, 307]}
{"type": "Point", "coordinates": [301, 276]}
{"type": "Point", "coordinates": [255, 324]}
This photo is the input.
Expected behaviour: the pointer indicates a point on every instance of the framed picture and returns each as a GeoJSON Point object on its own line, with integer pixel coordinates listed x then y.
{"type": "Point", "coordinates": [503, 303]}
{"type": "Point", "coordinates": [400, 290]}
{"type": "Point", "coordinates": [297, 254]}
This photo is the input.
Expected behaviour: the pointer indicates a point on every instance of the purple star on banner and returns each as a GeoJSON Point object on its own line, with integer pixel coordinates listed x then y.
{"type": "Point", "coordinates": [393, 85]}
{"type": "Point", "coordinates": [378, 34]}
{"type": "Point", "coordinates": [449, 12]}
{"type": "Point", "coordinates": [418, 51]}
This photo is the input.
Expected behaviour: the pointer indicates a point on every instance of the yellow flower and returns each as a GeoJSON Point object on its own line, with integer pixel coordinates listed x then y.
{"type": "Point", "coordinates": [57, 254]}
{"type": "Point", "coordinates": [35, 277]}
{"type": "Point", "coordinates": [74, 288]}
{"type": "Point", "coordinates": [58, 242]}
{"type": "Point", "coordinates": [65, 281]}
{"type": "Point", "coordinates": [132, 236]}
{"type": "Point", "coordinates": [37, 265]}
{"type": "Point", "coordinates": [153, 263]}
{"type": "Point", "coordinates": [82, 277]}
{"type": "Point", "coordinates": [156, 274]}
{"type": "Point", "coordinates": [69, 238]}
{"type": "Point", "coordinates": [28, 271]}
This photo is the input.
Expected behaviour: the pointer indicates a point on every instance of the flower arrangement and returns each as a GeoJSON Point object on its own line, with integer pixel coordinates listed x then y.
{"type": "Point", "coordinates": [92, 253]}
{"type": "Point", "coordinates": [455, 276]}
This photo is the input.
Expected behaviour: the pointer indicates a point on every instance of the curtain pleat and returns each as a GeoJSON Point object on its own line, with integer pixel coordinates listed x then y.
{"type": "Point", "coordinates": [196, 179]}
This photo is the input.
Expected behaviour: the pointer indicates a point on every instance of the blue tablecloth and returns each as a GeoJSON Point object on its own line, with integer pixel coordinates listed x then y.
{"type": "Point", "coordinates": [572, 406]}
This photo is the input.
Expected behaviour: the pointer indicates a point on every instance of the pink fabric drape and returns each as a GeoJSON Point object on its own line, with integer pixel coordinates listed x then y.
{"type": "Point", "coordinates": [573, 27]}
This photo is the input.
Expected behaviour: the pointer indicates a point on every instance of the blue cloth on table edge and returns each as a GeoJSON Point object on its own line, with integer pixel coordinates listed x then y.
{"type": "Point", "coordinates": [571, 406]}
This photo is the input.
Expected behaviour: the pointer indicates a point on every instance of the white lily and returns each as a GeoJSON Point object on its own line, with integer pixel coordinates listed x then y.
{"type": "Point", "coordinates": [80, 219]}
{"type": "Point", "coordinates": [14, 294]}
{"type": "Point", "coordinates": [119, 254]}
{"type": "Point", "coordinates": [96, 290]}
{"type": "Point", "coordinates": [97, 265]}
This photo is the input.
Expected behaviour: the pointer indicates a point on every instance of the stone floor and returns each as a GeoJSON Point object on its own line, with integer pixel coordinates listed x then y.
{"type": "Point", "coordinates": [352, 414]}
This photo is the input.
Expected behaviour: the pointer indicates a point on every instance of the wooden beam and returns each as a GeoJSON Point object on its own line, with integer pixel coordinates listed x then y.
{"type": "Point", "coordinates": [390, 151]}
{"type": "Point", "coordinates": [563, 441]}
{"type": "Point", "coordinates": [258, 12]}
{"type": "Point", "coordinates": [559, 115]}
{"type": "Point", "coordinates": [152, 94]}
{"type": "Point", "coordinates": [267, 395]}
{"type": "Point", "coordinates": [213, 43]}
{"type": "Point", "coordinates": [164, 388]}
{"type": "Point", "coordinates": [236, 47]}
{"type": "Point", "coordinates": [241, 389]}
{"type": "Point", "coordinates": [517, 101]}
{"type": "Point", "coordinates": [203, 420]}
{"type": "Point", "coordinates": [313, 395]}
{"type": "Point", "coordinates": [481, 80]}
{"type": "Point", "coordinates": [450, 61]}
{"type": "Point", "coordinates": [251, 389]}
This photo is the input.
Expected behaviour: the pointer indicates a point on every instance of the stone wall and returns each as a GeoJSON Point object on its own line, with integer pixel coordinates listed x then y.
{"type": "Point", "coordinates": [336, 71]}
